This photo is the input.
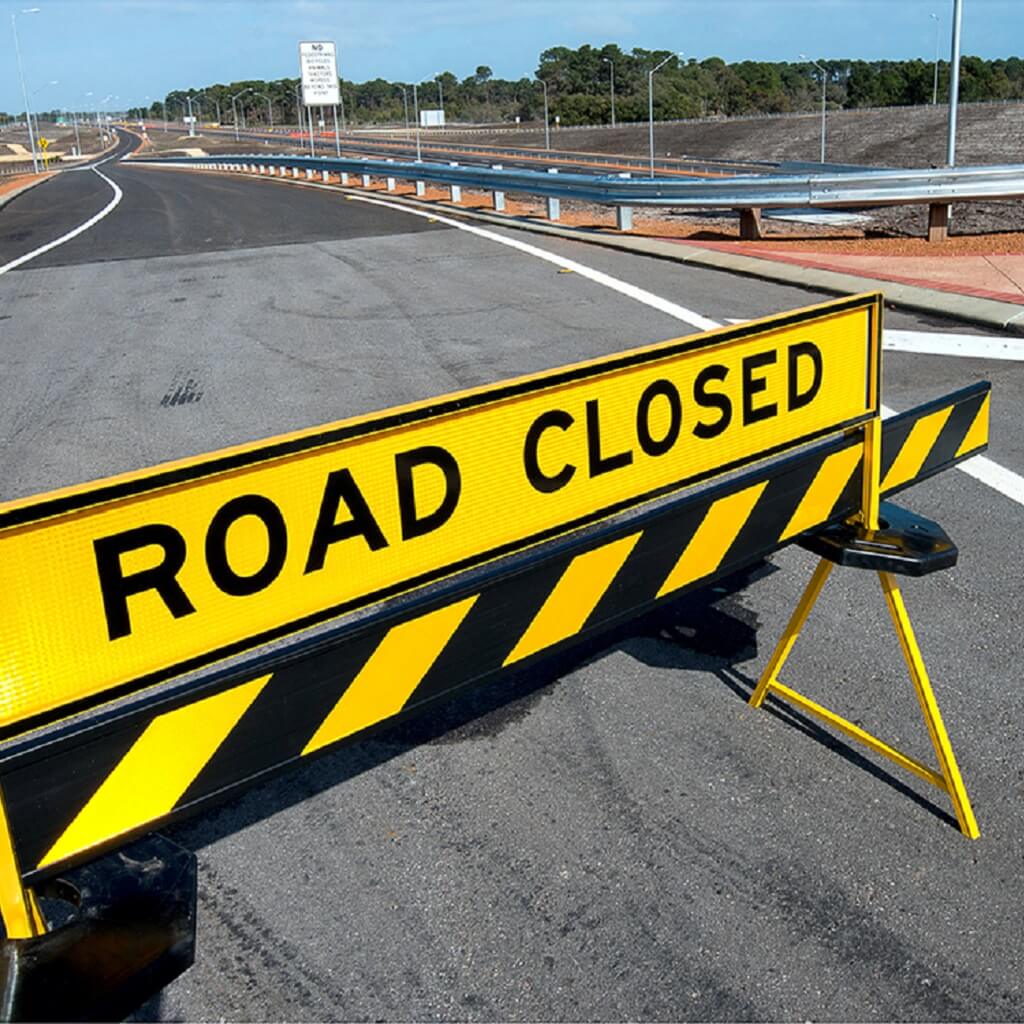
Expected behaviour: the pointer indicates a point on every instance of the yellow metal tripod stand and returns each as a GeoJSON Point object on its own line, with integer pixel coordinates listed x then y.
{"type": "Point", "coordinates": [908, 545]}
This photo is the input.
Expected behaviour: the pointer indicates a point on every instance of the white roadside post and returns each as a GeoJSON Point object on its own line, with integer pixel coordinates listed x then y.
{"type": "Point", "coordinates": [456, 189]}
{"type": "Point", "coordinates": [325, 177]}
{"type": "Point", "coordinates": [624, 214]}
{"type": "Point", "coordinates": [554, 205]}
{"type": "Point", "coordinates": [391, 180]}
{"type": "Point", "coordinates": [498, 197]}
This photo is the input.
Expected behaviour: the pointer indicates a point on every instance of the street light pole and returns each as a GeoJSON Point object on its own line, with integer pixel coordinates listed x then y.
{"type": "Point", "coordinates": [650, 108]}
{"type": "Point", "coordinates": [935, 78]}
{"type": "Point", "coordinates": [416, 111]}
{"type": "Point", "coordinates": [547, 127]}
{"type": "Point", "coordinates": [954, 82]}
{"type": "Point", "coordinates": [24, 88]}
{"type": "Point", "coordinates": [611, 65]}
{"type": "Point", "coordinates": [234, 111]}
{"type": "Point", "coordinates": [824, 84]}
{"type": "Point", "coordinates": [440, 93]}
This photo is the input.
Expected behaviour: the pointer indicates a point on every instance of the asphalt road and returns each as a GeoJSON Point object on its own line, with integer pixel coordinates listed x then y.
{"type": "Point", "coordinates": [626, 840]}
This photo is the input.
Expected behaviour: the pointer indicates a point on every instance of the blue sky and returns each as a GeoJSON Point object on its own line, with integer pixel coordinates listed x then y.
{"type": "Point", "coordinates": [135, 48]}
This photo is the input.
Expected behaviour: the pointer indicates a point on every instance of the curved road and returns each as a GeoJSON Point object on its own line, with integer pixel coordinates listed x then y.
{"type": "Point", "coordinates": [628, 840]}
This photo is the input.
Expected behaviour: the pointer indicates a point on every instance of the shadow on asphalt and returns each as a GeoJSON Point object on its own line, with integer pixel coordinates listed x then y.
{"type": "Point", "coordinates": [708, 631]}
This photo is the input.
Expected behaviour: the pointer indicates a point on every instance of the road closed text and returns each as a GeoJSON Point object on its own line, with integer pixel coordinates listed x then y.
{"type": "Point", "coordinates": [150, 575]}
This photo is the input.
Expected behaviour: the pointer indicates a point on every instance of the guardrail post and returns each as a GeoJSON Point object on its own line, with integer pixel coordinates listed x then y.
{"type": "Point", "coordinates": [421, 188]}
{"type": "Point", "coordinates": [456, 189]}
{"type": "Point", "coordinates": [344, 177]}
{"type": "Point", "coordinates": [295, 172]}
{"type": "Point", "coordinates": [750, 224]}
{"type": "Point", "coordinates": [624, 214]}
{"type": "Point", "coordinates": [554, 205]}
{"type": "Point", "coordinates": [309, 174]}
{"type": "Point", "coordinates": [366, 181]}
{"type": "Point", "coordinates": [391, 181]}
{"type": "Point", "coordinates": [938, 222]}
{"type": "Point", "coordinates": [324, 176]}
{"type": "Point", "coordinates": [263, 169]}
{"type": "Point", "coordinates": [498, 198]}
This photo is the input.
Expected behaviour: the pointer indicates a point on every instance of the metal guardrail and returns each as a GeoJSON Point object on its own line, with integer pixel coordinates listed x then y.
{"type": "Point", "coordinates": [846, 189]}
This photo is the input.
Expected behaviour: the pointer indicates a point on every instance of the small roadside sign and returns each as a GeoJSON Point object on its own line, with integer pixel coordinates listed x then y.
{"type": "Point", "coordinates": [44, 143]}
{"type": "Point", "coordinates": [127, 581]}
{"type": "Point", "coordinates": [319, 67]}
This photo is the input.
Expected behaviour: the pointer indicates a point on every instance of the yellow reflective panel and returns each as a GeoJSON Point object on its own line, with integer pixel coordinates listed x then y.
{"type": "Point", "coordinates": [131, 579]}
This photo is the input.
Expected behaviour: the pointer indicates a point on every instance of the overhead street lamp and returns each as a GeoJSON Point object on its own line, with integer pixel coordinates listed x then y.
{"type": "Point", "coordinates": [650, 105]}
{"type": "Point", "coordinates": [416, 111]}
{"type": "Point", "coordinates": [547, 126]}
{"type": "Point", "coordinates": [34, 94]}
{"type": "Point", "coordinates": [234, 111]}
{"type": "Point", "coordinates": [24, 88]}
{"type": "Point", "coordinates": [954, 81]}
{"type": "Point", "coordinates": [611, 65]}
{"type": "Point", "coordinates": [935, 78]}
{"type": "Point", "coordinates": [270, 107]}
{"type": "Point", "coordinates": [824, 85]}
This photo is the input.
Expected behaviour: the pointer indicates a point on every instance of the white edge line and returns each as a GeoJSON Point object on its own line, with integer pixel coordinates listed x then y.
{"type": "Point", "coordinates": [671, 309]}
{"type": "Point", "coordinates": [1003, 480]}
{"type": "Point", "coordinates": [972, 346]}
{"type": "Point", "coordinates": [74, 233]}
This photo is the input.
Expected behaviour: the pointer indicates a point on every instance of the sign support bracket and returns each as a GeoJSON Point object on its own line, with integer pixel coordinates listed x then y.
{"type": "Point", "coordinates": [904, 544]}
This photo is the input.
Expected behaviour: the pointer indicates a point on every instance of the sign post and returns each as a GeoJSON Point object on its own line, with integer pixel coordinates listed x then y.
{"type": "Point", "coordinates": [319, 67]}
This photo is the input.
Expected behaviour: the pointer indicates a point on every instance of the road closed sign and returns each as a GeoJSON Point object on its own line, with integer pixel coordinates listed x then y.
{"type": "Point", "coordinates": [126, 581]}
{"type": "Point", "coordinates": [319, 68]}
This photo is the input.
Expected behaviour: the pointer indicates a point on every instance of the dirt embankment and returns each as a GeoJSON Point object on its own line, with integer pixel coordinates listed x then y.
{"type": "Point", "coordinates": [987, 134]}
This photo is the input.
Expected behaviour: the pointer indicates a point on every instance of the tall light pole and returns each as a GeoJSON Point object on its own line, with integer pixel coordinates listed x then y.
{"type": "Point", "coordinates": [611, 65]}
{"type": "Point", "coordinates": [270, 109]}
{"type": "Point", "coordinates": [824, 84]}
{"type": "Point", "coordinates": [935, 78]}
{"type": "Point", "coordinates": [34, 94]}
{"type": "Point", "coordinates": [954, 82]}
{"type": "Point", "coordinates": [547, 127]}
{"type": "Point", "coordinates": [650, 107]}
{"type": "Point", "coordinates": [24, 88]}
{"type": "Point", "coordinates": [191, 119]}
{"type": "Point", "coordinates": [234, 110]}
{"type": "Point", "coordinates": [416, 111]}
{"type": "Point", "coordinates": [440, 92]}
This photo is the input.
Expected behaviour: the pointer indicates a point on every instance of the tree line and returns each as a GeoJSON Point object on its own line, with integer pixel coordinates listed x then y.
{"type": "Point", "coordinates": [579, 90]}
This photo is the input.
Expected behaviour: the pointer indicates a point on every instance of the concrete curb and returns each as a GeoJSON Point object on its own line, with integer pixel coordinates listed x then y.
{"type": "Point", "coordinates": [12, 195]}
{"type": "Point", "coordinates": [1004, 316]}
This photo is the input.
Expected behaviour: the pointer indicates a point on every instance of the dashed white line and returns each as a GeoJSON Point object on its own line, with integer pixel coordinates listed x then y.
{"type": "Point", "coordinates": [74, 233]}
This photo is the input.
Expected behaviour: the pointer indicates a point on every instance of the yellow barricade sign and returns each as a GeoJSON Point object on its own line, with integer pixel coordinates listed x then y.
{"type": "Point", "coordinates": [129, 580]}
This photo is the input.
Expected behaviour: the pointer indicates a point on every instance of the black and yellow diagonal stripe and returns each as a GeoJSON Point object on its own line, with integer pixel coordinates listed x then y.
{"type": "Point", "coordinates": [159, 762]}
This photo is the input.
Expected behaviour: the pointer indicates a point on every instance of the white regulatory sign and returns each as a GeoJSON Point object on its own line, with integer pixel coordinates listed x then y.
{"type": "Point", "coordinates": [319, 74]}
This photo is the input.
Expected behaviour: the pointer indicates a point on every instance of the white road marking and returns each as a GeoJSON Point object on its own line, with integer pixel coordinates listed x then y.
{"type": "Point", "coordinates": [981, 467]}
{"type": "Point", "coordinates": [976, 346]}
{"type": "Point", "coordinates": [1003, 480]}
{"type": "Point", "coordinates": [74, 233]}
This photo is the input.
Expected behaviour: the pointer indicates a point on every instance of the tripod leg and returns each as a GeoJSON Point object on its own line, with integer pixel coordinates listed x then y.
{"type": "Point", "coordinates": [929, 707]}
{"type": "Point", "coordinates": [792, 631]}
